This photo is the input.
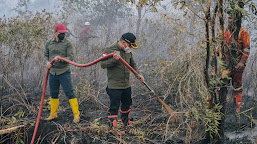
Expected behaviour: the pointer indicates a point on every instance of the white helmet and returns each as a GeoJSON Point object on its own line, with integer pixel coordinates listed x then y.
{"type": "Point", "coordinates": [87, 23]}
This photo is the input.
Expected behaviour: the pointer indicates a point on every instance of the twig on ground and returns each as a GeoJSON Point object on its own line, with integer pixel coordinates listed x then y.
{"type": "Point", "coordinates": [10, 130]}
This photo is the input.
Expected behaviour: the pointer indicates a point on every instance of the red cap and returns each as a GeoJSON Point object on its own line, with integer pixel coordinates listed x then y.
{"type": "Point", "coordinates": [60, 28]}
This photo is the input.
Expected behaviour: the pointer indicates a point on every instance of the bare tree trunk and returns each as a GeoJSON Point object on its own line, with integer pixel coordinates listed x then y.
{"type": "Point", "coordinates": [225, 81]}
{"type": "Point", "coordinates": [22, 71]}
{"type": "Point", "coordinates": [207, 38]}
{"type": "Point", "coordinates": [206, 75]}
{"type": "Point", "coordinates": [108, 35]}
{"type": "Point", "coordinates": [213, 54]}
{"type": "Point", "coordinates": [139, 12]}
{"type": "Point", "coordinates": [2, 94]}
{"type": "Point", "coordinates": [40, 70]}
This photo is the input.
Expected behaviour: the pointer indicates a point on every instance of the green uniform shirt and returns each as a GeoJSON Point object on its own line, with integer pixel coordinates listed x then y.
{"type": "Point", "coordinates": [63, 49]}
{"type": "Point", "coordinates": [118, 74]}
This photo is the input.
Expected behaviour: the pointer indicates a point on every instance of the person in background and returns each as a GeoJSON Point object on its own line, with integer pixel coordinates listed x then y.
{"type": "Point", "coordinates": [60, 71]}
{"type": "Point", "coordinates": [84, 32]}
{"type": "Point", "coordinates": [242, 53]}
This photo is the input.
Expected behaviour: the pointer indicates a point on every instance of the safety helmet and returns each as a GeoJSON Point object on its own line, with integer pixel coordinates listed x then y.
{"type": "Point", "coordinates": [87, 23]}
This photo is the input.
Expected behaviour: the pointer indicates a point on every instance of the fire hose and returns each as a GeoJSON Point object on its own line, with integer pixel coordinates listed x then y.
{"type": "Point", "coordinates": [168, 109]}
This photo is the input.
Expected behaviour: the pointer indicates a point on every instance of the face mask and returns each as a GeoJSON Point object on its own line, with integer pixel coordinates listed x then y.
{"type": "Point", "coordinates": [61, 36]}
{"type": "Point", "coordinates": [127, 49]}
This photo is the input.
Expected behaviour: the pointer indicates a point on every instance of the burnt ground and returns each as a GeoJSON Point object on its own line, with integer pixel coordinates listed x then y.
{"type": "Point", "coordinates": [239, 127]}
{"type": "Point", "coordinates": [150, 126]}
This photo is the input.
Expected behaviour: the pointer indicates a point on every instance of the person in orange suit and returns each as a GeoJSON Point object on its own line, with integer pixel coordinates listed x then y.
{"type": "Point", "coordinates": [84, 32]}
{"type": "Point", "coordinates": [241, 56]}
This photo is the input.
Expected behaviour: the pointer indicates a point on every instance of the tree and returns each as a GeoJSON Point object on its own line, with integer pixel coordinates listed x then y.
{"type": "Point", "coordinates": [99, 13]}
{"type": "Point", "coordinates": [140, 4]}
{"type": "Point", "coordinates": [235, 6]}
{"type": "Point", "coordinates": [24, 36]}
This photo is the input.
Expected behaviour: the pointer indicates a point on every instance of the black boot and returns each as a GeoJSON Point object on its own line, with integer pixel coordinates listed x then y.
{"type": "Point", "coordinates": [125, 117]}
{"type": "Point", "coordinates": [113, 121]}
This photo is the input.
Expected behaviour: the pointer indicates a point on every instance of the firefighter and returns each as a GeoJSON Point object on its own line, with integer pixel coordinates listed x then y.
{"type": "Point", "coordinates": [84, 32]}
{"type": "Point", "coordinates": [60, 71]}
{"type": "Point", "coordinates": [118, 86]}
{"type": "Point", "coordinates": [242, 53]}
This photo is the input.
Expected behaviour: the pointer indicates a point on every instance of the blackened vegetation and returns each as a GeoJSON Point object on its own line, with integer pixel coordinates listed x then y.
{"type": "Point", "coordinates": [93, 128]}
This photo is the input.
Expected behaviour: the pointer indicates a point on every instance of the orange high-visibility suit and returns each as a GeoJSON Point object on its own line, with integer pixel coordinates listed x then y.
{"type": "Point", "coordinates": [242, 54]}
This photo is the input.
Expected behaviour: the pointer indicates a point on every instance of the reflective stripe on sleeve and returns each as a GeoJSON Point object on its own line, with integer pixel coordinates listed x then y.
{"type": "Point", "coordinates": [246, 50]}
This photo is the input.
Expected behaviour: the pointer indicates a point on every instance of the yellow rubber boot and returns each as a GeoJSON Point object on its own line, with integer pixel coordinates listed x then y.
{"type": "Point", "coordinates": [54, 107]}
{"type": "Point", "coordinates": [75, 109]}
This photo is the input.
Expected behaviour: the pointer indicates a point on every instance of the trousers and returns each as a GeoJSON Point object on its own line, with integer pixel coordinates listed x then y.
{"type": "Point", "coordinates": [119, 97]}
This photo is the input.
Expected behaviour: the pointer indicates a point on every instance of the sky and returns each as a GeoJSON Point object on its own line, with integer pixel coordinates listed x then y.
{"type": "Point", "coordinates": [7, 7]}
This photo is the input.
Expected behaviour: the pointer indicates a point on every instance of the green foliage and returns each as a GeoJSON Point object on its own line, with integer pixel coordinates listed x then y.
{"type": "Point", "coordinates": [139, 133]}
{"type": "Point", "coordinates": [214, 81]}
{"type": "Point", "coordinates": [20, 113]}
{"type": "Point", "coordinates": [83, 88]}
{"type": "Point", "coordinates": [97, 122]}
{"type": "Point", "coordinates": [210, 117]}
{"type": "Point", "coordinates": [97, 127]}
{"type": "Point", "coordinates": [2, 121]}
{"type": "Point", "coordinates": [235, 8]}
{"type": "Point", "coordinates": [21, 37]}
{"type": "Point", "coordinates": [13, 120]}
{"type": "Point", "coordinates": [19, 138]}
{"type": "Point", "coordinates": [222, 63]}
{"type": "Point", "coordinates": [47, 104]}
{"type": "Point", "coordinates": [252, 7]}
{"type": "Point", "coordinates": [25, 35]}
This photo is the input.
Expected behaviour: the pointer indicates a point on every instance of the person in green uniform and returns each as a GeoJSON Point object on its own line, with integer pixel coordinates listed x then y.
{"type": "Point", "coordinates": [60, 71]}
{"type": "Point", "coordinates": [118, 86]}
